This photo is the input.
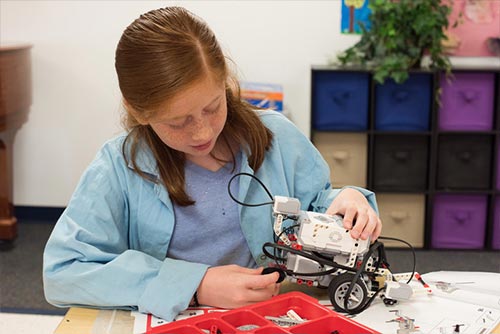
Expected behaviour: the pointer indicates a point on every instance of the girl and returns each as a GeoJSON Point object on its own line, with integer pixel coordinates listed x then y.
{"type": "Point", "coordinates": [151, 225]}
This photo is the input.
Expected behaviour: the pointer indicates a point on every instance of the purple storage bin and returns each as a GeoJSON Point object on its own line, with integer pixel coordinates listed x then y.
{"type": "Point", "coordinates": [495, 244]}
{"type": "Point", "coordinates": [467, 101]}
{"type": "Point", "coordinates": [459, 221]}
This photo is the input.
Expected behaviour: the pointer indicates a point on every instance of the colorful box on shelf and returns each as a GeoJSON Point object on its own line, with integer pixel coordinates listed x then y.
{"type": "Point", "coordinates": [262, 95]}
{"type": "Point", "coordinates": [340, 100]}
{"type": "Point", "coordinates": [459, 221]}
{"type": "Point", "coordinates": [289, 313]}
{"type": "Point", "coordinates": [467, 101]}
{"type": "Point", "coordinates": [406, 106]}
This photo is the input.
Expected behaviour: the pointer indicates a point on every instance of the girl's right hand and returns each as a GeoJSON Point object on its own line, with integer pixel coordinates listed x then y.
{"type": "Point", "coordinates": [232, 286]}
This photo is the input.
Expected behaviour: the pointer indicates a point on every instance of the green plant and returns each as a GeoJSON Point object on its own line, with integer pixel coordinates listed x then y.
{"type": "Point", "coordinates": [402, 31]}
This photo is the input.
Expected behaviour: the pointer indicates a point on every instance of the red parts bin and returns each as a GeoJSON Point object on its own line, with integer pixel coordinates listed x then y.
{"type": "Point", "coordinates": [319, 319]}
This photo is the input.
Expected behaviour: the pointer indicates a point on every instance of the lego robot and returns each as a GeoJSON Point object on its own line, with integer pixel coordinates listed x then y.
{"type": "Point", "coordinates": [315, 249]}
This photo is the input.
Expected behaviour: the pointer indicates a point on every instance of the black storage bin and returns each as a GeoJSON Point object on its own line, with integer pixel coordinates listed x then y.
{"type": "Point", "coordinates": [464, 162]}
{"type": "Point", "coordinates": [401, 162]}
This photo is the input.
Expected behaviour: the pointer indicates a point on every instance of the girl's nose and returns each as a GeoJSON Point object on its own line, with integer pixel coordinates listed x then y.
{"type": "Point", "coordinates": [202, 131]}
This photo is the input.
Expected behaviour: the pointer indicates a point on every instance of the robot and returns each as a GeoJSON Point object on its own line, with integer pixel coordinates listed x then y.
{"type": "Point", "coordinates": [315, 249]}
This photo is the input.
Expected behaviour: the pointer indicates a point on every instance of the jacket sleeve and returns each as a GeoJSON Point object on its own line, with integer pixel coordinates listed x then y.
{"type": "Point", "coordinates": [88, 260]}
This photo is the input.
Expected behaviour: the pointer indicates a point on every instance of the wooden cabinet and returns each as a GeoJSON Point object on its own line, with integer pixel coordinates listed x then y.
{"type": "Point", "coordinates": [15, 101]}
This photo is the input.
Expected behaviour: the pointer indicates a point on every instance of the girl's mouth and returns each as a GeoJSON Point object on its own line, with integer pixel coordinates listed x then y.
{"type": "Point", "coordinates": [203, 147]}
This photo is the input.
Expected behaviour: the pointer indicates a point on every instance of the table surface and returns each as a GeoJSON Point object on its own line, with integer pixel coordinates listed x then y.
{"type": "Point", "coordinates": [436, 313]}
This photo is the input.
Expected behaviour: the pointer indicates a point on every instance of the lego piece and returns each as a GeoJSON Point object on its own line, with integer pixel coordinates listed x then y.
{"type": "Point", "coordinates": [398, 291]}
{"type": "Point", "coordinates": [286, 205]}
{"type": "Point", "coordinates": [293, 315]}
{"type": "Point", "coordinates": [406, 324]}
{"type": "Point", "coordinates": [283, 321]}
{"type": "Point", "coordinates": [426, 286]}
{"type": "Point", "coordinates": [248, 327]}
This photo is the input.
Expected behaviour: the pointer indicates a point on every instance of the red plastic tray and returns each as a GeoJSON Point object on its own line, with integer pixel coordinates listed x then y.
{"type": "Point", "coordinates": [318, 319]}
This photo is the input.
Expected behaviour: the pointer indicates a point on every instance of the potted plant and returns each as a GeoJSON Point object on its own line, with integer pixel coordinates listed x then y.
{"type": "Point", "coordinates": [402, 32]}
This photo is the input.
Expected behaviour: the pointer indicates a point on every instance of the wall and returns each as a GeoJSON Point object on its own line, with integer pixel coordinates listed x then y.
{"type": "Point", "coordinates": [76, 102]}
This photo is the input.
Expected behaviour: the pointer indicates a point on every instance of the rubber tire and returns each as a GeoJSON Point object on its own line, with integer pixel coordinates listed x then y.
{"type": "Point", "coordinates": [340, 284]}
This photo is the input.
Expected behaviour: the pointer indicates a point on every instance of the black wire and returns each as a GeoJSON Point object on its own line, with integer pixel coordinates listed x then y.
{"type": "Point", "coordinates": [381, 258]}
{"type": "Point", "coordinates": [358, 273]}
{"type": "Point", "coordinates": [321, 259]}
{"type": "Point", "coordinates": [412, 251]}
{"type": "Point", "coordinates": [255, 178]}
{"type": "Point", "coordinates": [319, 273]}
{"type": "Point", "coordinates": [306, 255]}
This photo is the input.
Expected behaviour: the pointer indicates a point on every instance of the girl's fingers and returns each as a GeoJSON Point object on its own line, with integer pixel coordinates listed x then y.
{"type": "Point", "coordinates": [359, 226]}
{"type": "Point", "coordinates": [257, 295]}
{"type": "Point", "coordinates": [262, 281]}
{"type": "Point", "coordinates": [349, 216]}
{"type": "Point", "coordinates": [248, 271]}
{"type": "Point", "coordinates": [378, 230]}
{"type": "Point", "coordinates": [369, 227]}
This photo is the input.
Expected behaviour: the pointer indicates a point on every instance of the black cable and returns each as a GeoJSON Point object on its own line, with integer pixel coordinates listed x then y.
{"type": "Point", "coordinates": [381, 259]}
{"type": "Point", "coordinates": [413, 253]}
{"type": "Point", "coordinates": [256, 179]}
{"type": "Point", "coordinates": [322, 259]}
{"type": "Point", "coordinates": [319, 273]}
{"type": "Point", "coordinates": [358, 273]}
{"type": "Point", "coordinates": [306, 255]}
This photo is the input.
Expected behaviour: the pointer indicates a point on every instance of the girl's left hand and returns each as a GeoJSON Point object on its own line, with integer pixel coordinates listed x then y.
{"type": "Point", "coordinates": [354, 206]}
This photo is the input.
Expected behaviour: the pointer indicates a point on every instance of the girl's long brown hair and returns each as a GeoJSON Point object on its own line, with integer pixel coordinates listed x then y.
{"type": "Point", "coordinates": [160, 54]}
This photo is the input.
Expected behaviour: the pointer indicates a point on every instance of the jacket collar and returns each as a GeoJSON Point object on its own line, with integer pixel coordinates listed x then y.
{"type": "Point", "coordinates": [145, 161]}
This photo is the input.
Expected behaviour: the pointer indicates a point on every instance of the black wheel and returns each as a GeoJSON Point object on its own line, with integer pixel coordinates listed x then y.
{"type": "Point", "coordinates": [337, 291]}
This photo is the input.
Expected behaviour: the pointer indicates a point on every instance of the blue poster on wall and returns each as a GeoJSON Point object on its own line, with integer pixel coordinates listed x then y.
{"type": "Point", "coordinates": [353, 13]}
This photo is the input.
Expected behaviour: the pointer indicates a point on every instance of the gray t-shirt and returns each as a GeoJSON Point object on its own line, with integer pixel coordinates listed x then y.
{"type": "Point", "coordinates": [209, 231]}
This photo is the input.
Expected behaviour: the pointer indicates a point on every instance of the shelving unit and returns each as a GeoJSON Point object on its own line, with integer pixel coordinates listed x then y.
{"type": "Point", "coordinates": [432, 161]}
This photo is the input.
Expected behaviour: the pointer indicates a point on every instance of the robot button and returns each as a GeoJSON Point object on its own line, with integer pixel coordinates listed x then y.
{"type": "Point", "coordinates": [335, 236]}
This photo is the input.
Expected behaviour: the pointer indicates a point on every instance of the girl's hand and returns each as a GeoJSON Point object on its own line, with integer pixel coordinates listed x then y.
{"type": "Point", "coordinates": [353, 205]}
{"type": "Point", "coordinates": [233, 286]}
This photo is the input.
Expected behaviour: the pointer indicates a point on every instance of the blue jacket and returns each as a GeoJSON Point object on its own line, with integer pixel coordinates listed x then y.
{"type": "Point", "coordinates": [108, 248]}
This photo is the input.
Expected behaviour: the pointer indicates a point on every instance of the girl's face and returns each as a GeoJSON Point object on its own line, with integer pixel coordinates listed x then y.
{"type": "Point", "coordinates": [192, 121]}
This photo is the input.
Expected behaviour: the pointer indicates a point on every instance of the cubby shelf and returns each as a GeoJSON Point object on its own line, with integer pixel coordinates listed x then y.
{"type": "Point", "coordinates": [432, 160]}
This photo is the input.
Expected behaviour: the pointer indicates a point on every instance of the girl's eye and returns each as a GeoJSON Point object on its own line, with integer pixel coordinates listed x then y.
{"type": "Point", "coordinates": [213, 110]}
{"type": "Point", "coordinates": [180, 124]}
{"type": "Point", "coordinates": [174, 126]}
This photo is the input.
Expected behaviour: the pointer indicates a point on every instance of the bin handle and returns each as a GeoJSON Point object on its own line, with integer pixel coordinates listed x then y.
{"type": "Point", "coordinates": [340, 155]}
{"type": "Point", "coordinates": [340, 97]}
{"type": "Point", "coordinates": [469, 95]}
{"type": "Point", "coordinates": [401, 155]}
{"type": "Point", "coordinates": [399, 216]}
{"type": "Point", "coordinates": [461, 216]}
{"type": "Point", "coordinates": [465, 156]}
{"type": "Point", "coordinates": [401, 95]}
